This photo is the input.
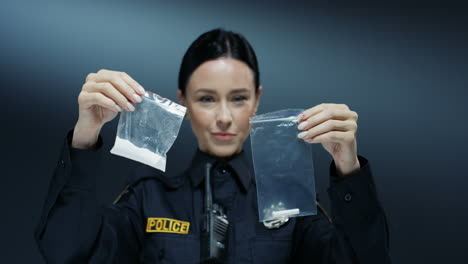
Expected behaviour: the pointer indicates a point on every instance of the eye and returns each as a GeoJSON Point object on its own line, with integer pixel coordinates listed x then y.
{"type": "Point", "coordinates": [206, 99]}
{"type": "Point", "coordinates": [239, 99]}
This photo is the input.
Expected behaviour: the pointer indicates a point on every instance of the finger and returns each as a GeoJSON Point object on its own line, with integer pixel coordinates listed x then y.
{"type": "Point", "coordinates": [327, 126]}
{"type": "Point", "coordinates": [109, 91]}
{"type": "Point", "coordinates": [323, 116]}
{"type": "Point", "coordinates": [117, 81]}
{"type": "Point", "coordinates": [89, 99]}
{"type": "Point", "coordinates": [90, 77]}
{"type": "Point", "coordinates": [332, 136]}
{"type": "Point", "coordinates": [320, 108]}
{"type": "Point", "coordinates": [310, 112]}
{"type": "Point", "coordinates": [134, 84]}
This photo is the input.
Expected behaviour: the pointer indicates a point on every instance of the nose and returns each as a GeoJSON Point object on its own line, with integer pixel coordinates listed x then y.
{"type": "Point", "coordinates": [223, 117]}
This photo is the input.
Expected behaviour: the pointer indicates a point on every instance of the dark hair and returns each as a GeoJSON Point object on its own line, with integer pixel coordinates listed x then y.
{"type": "Point", "coordinates": [215, 44]}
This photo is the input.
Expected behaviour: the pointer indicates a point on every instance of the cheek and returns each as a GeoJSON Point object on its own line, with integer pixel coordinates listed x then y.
{"type": "Point", "coordinates": [243, 120]}
{"type": "Point", "coordinates": [200, 119]}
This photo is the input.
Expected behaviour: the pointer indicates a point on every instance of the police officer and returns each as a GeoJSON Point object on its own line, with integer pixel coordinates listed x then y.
{"type": "Point", "coordinates": [158, 219]}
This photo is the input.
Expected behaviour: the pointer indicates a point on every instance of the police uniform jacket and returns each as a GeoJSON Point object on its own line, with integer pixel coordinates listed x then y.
{"type": "Point", "coordinates": [158, 219]}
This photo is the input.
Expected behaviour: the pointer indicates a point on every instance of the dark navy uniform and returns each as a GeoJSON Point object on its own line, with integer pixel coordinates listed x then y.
{"type": "Point", "coordinates": [158, 219]}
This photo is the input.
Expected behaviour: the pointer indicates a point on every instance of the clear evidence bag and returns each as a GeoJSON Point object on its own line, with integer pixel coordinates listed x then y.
{"type": "Point", "coordinates": [283, 166]}
{"type": "Point", "coordinates": [146, 134]}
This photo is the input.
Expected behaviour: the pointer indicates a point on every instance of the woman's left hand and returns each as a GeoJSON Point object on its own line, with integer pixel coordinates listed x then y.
{"type": "Point", "coordinates": [335, 126]}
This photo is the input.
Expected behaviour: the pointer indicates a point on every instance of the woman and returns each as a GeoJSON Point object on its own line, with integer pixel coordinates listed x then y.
{"type": "Point", "coordinates": [159, 220]}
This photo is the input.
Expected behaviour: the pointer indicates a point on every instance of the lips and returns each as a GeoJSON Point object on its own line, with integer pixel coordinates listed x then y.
{"type": "Point", "coordinates": [223, 136]}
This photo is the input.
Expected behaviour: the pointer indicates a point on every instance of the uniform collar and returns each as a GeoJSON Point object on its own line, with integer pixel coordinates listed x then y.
{"type": "Point", "coordinates": [238, 163]}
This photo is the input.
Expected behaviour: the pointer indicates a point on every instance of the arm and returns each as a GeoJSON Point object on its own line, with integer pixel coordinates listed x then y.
{"type": "Point", "coordinates": [72, 228]}
{"type": "Point", "coordinates": [358, 233]}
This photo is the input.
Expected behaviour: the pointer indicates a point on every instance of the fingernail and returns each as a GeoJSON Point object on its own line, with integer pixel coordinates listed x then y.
{"type": "Point", "coordinates": [130, 107]}
{"type": "Point", "coordinates": [302, 125]}
{"type": "Point", "coordinates": [137, 98]}
{"type": "Point", "coordinates": [301, 135]}
{"type": "Point", "coordinates": [300, 116]}
{"type": "Point", "coordinates": [118, 108]}
{"type": "Point", "coordinates": [141, 90]}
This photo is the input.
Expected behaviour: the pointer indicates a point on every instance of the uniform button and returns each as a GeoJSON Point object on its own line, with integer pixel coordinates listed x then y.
{"type": "Point", "coordinates": [223, 171]}
{"type": "Point", "coordinates": [348, 197]}
{"type": "Point", "coordinates": [62, 164]}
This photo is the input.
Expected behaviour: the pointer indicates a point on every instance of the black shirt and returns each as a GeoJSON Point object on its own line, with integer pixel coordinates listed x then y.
{"type": "Point", "coordinates": [158, 219]}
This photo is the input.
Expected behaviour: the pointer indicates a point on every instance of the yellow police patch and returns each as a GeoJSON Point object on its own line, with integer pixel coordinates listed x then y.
{"type": "Point", "coordinates": [167, 225]}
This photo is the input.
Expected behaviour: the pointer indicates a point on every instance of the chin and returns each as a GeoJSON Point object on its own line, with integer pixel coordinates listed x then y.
{"type": "Point", "coordinates": [223, 151]}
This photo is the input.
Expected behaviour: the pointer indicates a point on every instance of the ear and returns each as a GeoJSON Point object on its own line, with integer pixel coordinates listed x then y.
{"type": "Point", "coordinates": [180, 97]}
{"type": "Point", "coordinates": [257, 99]}
{"type": "Point", "coordinates": [182, 101]}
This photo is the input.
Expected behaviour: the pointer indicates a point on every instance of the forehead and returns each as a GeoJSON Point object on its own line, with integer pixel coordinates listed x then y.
{"type": "Point", "coordinates": [221, 75]}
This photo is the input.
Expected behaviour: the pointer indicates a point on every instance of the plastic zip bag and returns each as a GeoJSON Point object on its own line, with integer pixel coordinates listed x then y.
{"type": "Point", "coordinates": [283, 166]}
{"type": "Point", "coordinates": [146, 134]}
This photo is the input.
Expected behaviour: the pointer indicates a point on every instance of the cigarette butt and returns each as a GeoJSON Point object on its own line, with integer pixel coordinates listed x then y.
{"type": "Point", "coordinates": [286, 212]}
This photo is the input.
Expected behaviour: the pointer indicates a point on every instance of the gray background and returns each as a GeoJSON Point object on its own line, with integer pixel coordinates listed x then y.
{"type": "Point", "coordinates": [402, 69]}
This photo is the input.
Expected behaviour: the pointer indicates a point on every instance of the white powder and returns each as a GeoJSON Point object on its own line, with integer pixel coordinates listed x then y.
{"type": "Point", "coordinates": [125, 148]}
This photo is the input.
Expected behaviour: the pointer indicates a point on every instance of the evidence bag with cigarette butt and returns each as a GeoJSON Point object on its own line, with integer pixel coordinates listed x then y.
{"type": "Point", "coordinates": [283, 165]}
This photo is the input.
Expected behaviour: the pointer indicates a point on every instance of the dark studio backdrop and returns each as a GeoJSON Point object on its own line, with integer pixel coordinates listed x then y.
{"type": "Point", "coordinates": [402, 69]}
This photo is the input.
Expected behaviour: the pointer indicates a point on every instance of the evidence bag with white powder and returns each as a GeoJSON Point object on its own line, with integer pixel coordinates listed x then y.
{"type": "Point", "coordinates": [283, 165]}
{"type": "Point", "coordinates": [146, 134]}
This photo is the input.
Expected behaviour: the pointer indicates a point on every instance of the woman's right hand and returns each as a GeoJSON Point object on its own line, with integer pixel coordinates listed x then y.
{"type": "Point", "coordinates": [103, 95]}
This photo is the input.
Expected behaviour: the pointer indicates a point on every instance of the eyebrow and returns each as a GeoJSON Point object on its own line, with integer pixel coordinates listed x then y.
{"type": "Point", "coordinates": [239, 90]}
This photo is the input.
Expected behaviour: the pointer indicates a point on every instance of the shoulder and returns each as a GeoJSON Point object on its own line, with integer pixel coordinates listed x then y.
{"type": "Point", "coordinates": [148, 180]}
{"type": "Point", "coordinates": [145, 175]}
